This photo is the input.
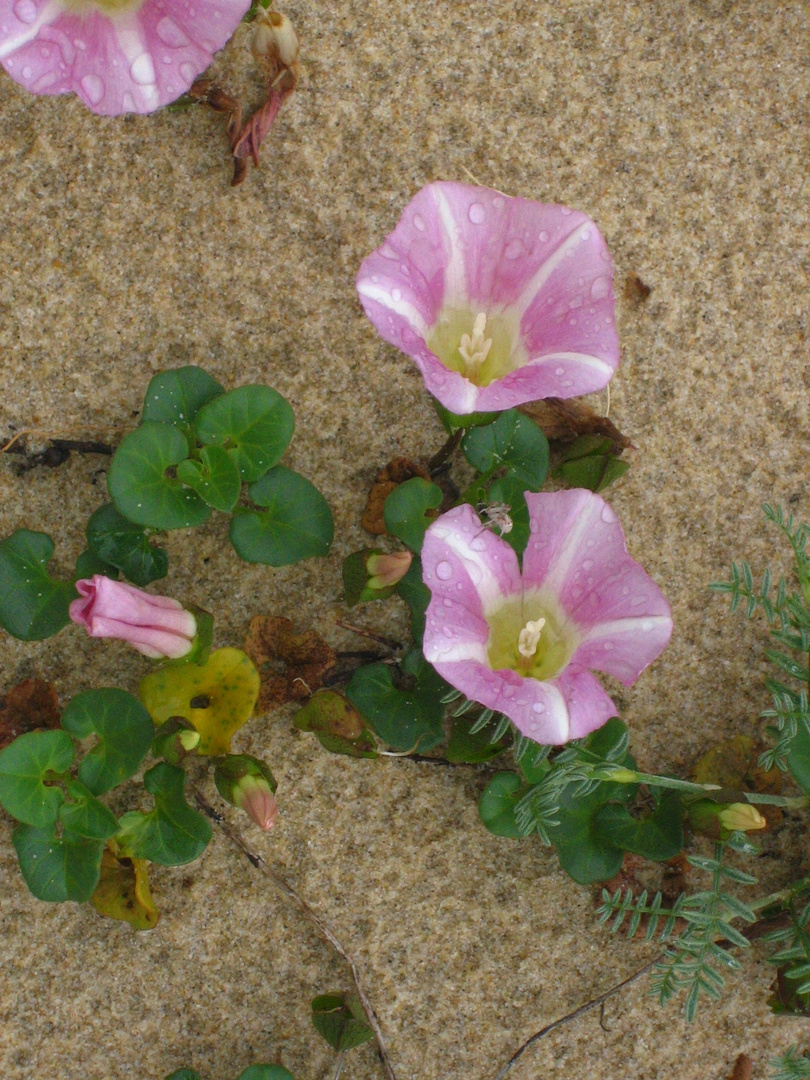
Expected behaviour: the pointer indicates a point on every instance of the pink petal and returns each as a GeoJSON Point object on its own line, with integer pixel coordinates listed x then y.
{"type": "Point", "coordinates": [588, 705]}
{"type": "Point", "coordinates": [467, 565]}
{"type": "Point", "coordinates": [577, 552]}
{"type": "Point", "coordinates": [134, 61]}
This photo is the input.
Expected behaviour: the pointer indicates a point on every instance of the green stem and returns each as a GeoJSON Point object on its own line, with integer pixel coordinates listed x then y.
{"type": "Point", "coordinates": [782, 897]}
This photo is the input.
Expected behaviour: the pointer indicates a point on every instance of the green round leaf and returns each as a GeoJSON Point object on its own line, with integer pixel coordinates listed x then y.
{"type": "Point", "coordinates": [23, 767]}
{"type": "Point", "coordinates": [85, 815]}
{"type": "Point", "coordinates": [175, 397]}
{"type": "Point", "coordinates": [254, 424]}
{"type": "Point", "coordinates": [32, 604]}
{"type": "Point", "coordinates": [406, 718]}
{"type": "Point", "coordinates": [172, 833]}
{"type": "Point", "coordinates": [88, 564]}
{"type": "Point", "coordinates": [417, 596]}
{"type": "Point", "coordinates": [125, 545]}
{"type": "Point", "coordinates": [265, 1072]}
{"type": "Point", "coordinates": [58, 868]}
{"type": "Point", "coordinates": [296, 524]}
{"type": "Point", "coordinates": [407, 510]}
{"type": "Point", "coordinates": [658, 836]}
{"type": "Point", "coordinates": [496, 808]}
{"type": "Point", "coordinates": [513, 442]}
{"type": "Point", "coordinates": [140, 487]}
{"type": "Point", "coordinates": [124, 729]}
{"type": "Point", "coordinates": [337, 725]}
{"type": "Point", "coordinates": [214, 477]}
{"type": "Point", "coordinates": [451, 421]}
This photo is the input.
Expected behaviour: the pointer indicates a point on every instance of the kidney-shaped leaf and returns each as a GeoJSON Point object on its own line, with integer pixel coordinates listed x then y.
{"type": "Point", "coordinates": [33, 605]}
{"type": "Point", "coordinates": [124, 731]}
{"type": "Point", "coordinates": [172, 833]}
{"type": "Point", "coordinates": [513, 442]}
{"type": "Point", "coordinates": [410, 508]}
{"type": "Point", "coordinates": [23, 767]}
{"type": "Point", "coordinates": [296, 524]}
{"type": "Point", "coordinates": [123, 891]}
{"type": "Point", "coordinates": [217, 697]}
{"type": "Point", "coordinates": [125, 545]}
{"type": "Point", "coordinates": [253, 423]}
{"type": "Point", "coordinates": [140, 485]}
{"type": "Point", "coordinates": [57, 868]}
{"type": "Point", "coordinates": [406, 718]}
{"type": "Point", "coordinates": [496, 807]}
{"type": "Point", "coordinates": [175, 397]}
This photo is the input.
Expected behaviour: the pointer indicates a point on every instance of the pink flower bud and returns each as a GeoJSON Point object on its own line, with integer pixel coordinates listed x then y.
{"type": "Point", "coordinates": [386, 570]}
{"type": "Point", "coordinates": [157, 626]}
{"type": "Point", "coordinates": [254, 795]}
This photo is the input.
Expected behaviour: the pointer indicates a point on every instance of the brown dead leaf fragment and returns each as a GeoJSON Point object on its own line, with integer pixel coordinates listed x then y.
{"type": "Point", "coordinates": [635, 291]}
{"type": "Point", "coordinates": [566, 420]}
{"type": "Point", "coordinates": [30, 706]}
{"type": "Point", "coordinates": [743, 1068]}
{"type": "Point", "coordinates": [396, 472]}
{"type": "Point", "coordinates": [292, 666]}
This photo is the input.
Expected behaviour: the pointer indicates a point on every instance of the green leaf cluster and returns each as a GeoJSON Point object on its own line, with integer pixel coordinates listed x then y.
{"type": "Point", "coordinates": [407, 712]}
{"type": "Point", "coordinates": [63, 824]}
{"type": "Point", "coordinates": [569, 800]}
{"type": "Point", "coordinates": [195, 447]}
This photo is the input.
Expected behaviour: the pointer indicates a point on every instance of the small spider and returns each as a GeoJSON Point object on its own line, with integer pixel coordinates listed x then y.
{"type": "Point", "coordinates": [497, 516]}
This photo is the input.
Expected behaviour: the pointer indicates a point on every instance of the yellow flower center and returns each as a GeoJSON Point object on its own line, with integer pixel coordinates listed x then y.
{"type": "Point", "coordinates": [528, 636]}
{"type": "Point", "coordinates": [481, 347]}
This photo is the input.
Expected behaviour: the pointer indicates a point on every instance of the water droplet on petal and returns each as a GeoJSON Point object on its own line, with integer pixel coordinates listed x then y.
{"type": "Point", "coordinates": [608, 646]}
{"type": "Point", "coordinates": [171, 34]}
{"type": "Point", "coordinates": [396, 294]}
{"type": "Point", "coordinates": [539, 707]}
{"type": "Point", "coordinates": [543, 237]}
{"type": "Point", "coordinates": [188, 71]}
{"type": "Point", "coordinates": [444, 571]}
{"type": "Point", "coordinates": [419, 222]}
{"type": "Point", "coordinates": [607, 515]}
{"type": "Point", "coordinates": [514, 249]}
{"type": "Point", "coordinates": [26, 11]}
{"type": "Point", "coordinates": [565, 210]}
{"type": "Point", "coordinates": [600, 288]}
{"type": "Point", "coordinates": [143, 70]}
{"type": "Point", "coordinates": [93, 87]}
{"type": "Point", "coordinates": [477, 214]}
{"type": "Point", "coordinates": [27, 72]}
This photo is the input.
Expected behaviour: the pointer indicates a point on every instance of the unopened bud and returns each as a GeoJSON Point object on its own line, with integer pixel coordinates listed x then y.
{"type": "Point", "coordinates": [742, 817]}
{"type": "Point", "coordinates": [274, 38]}
{"type": "Point", "coordinates": [174, 739]}
{"type": "Point", "coordinates": [246, 782]}
{"type": "Point", "coordinates": [384, 571]}
{"type": "Point", "coordinates": [253, 795]}
{"type": "Point", "coordinates": [189, 740]}
{"type": "Point", "coordinates": [719, 821]}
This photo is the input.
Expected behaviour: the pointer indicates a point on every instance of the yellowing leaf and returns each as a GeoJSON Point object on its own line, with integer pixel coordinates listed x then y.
{"type": "Point", "coordinates": [123, 891]}
{"type": "Point", "coordinates": [217, 698]}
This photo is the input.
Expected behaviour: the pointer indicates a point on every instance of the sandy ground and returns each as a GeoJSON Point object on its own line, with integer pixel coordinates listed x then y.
{"type": "Point", "coordinates": [678, 126]}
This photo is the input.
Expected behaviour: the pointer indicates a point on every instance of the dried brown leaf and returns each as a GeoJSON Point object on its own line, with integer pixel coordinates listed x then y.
{"type": "Point", "coordinates": [743, 1068]}
{"type": "Point", "coordinates": [396, 472]}
{"type": "Point", "coordinates": [30, 706]}
{"type": "Point", "coordinates": [292, 666]}
{"type": "Point", "coordinates": [566, 420]}
{"type": "Point", "coordinates": [635, 291]}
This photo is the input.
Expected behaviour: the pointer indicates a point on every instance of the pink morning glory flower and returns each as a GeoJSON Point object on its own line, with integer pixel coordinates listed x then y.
{"type": "Point", "coordinates": [525, 644]}
{"type": "Point", "coordinates": [498, 300]}
{"type": "Point", "coordinates": [157, 626]}
{"type": "Point", "coordinates": [117, 55]}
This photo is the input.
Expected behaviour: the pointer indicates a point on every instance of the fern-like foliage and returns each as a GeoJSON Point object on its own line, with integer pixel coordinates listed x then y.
{"type": "Point", "coordinates": [790, 1066]}
{"type": "Point", "coordinates": [693, 960]}
{"type": "Point", "coordinates": [795, 951]}
{"type": "Point", "coordinates": [788, 615]}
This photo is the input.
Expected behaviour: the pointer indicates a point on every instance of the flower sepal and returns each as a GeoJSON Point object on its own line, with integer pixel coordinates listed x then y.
{"type": "Point", "coordinates": [247, 783]}
{"type": "Point", "coordinates": [451, 421]}
{"type": "Point", "coordinates": [203, 639]}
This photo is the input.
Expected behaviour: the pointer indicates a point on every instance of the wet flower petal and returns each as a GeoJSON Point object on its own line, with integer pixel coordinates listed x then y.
{"type": "Point", "coordinates": [117, 55]}
{"type": "Point", "coordinates": [540, 274]}
{"type": "Point", "coordinates": [525, 645]}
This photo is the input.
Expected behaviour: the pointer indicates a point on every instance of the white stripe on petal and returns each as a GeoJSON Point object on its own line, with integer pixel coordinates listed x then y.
{"type": "Point", "coordinates": [455, 284]}
{"type": "Point", "coordinates": [448, 651]}
{"type": "Point", "coordinates": [400, 307]}
{"type": "Point", "coordinates": [569, 548]}
{"type": "Point", "coordinates": [48, 14]}
{"type": "Point", "coordinates": [135, 49]}
{"type": "Point", "coordinates": [544, 272]}
{"type": "Point", "coordinates": [625, 626]}
{"type": "Point", "coordinates": [584, 359]}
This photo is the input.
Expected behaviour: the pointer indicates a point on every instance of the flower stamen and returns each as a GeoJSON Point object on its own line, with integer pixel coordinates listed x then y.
{"type": "Point", "coordinates": [530, 637]}
{"type": "Point", "coordinates": [474, 350]}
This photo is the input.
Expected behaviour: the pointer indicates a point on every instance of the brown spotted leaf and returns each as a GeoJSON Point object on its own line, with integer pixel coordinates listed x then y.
{"type": "Point", "coordinates": [337, 725]}
{"type": "Point", "coordinates": [292, 666]}
{"type": "Point", "coordinates": [123, 890]}
{"type": "Point", "coordinates": [30, 706]}
{"type": "Point", "coordinates": [566, 420]}
{"type": "Point", "coordinates": [396, 472]}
